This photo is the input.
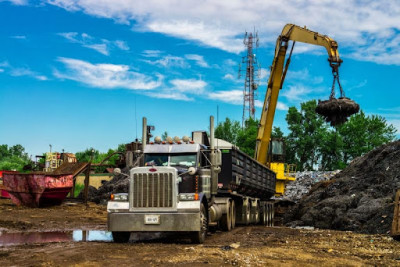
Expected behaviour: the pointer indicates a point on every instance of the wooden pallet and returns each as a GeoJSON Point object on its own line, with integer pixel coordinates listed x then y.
{"type": "Point", "coordinates": [395, 232]}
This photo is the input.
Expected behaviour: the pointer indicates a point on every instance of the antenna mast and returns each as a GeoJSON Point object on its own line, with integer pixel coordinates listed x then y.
{"type": "Point", "coordinates": [252, 69]}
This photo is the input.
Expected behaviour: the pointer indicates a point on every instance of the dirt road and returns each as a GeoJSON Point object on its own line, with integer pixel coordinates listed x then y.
{"type": "Point", "coordinates": [255, 245]}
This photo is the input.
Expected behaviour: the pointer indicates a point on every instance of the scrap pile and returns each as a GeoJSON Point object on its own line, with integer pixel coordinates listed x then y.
{"type": "Point", "coordinates": [359, 198]}
{"type": "Point", "coordinates": [118, 184]}
{"type": "Point", "coordinates": [303, 183]}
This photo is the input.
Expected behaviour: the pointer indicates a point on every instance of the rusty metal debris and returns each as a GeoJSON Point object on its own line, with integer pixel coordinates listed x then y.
{"type": "Point", "coordinates": [337, 110]}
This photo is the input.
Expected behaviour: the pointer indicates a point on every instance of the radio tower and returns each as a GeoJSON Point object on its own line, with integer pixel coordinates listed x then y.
{"type": "Point", "coordinates": [252, 69]}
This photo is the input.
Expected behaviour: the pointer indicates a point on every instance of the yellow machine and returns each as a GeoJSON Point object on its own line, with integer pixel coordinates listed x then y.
{"type": "Point", "coordinates": [273, 155]}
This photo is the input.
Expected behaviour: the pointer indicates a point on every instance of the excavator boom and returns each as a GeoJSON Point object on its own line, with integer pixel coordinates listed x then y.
{"type": "Point", "coordinates": [277, 76]}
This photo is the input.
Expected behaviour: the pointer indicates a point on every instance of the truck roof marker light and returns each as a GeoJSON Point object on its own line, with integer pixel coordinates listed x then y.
{"type": "Point", "coordinates": [192, 142]}
{"type": "Point", "coordinates": [185, 139]}
{"type": "Point", "coordinates": [151, 143]}
{"type": "Point", "coordinates": [163, 142]}
{"type": "Point", "coordinates": [170, 142]}
{"type": "Point", "coordinates": [112, 197]}
{"type": "Point", "coordinates": [157, 140]}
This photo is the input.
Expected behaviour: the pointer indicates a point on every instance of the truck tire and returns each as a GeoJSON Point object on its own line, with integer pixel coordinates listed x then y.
{"type": "Point", "coordinates": [233, 214]}
{"type": "Point", "coordinates": [198, 237]}
{"type": "Point", "coordinates": [247, 213]}
{"type": "Point", "coordinates": [121, 237]}
{"type": "Point", "coordinates": [226, 219]}
{"type": "Point", "coordinates": [263, 220]}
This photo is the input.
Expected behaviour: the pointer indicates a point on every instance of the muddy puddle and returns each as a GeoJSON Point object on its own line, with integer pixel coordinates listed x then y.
{"type": "Point", "coordinates": [10, 239]}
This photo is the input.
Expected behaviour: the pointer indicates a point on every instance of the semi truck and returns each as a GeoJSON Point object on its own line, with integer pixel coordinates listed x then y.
{"type": "Point", "coordinates": [188, 185]}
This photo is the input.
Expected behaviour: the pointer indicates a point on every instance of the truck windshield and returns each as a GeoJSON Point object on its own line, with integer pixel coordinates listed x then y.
{"type": "Point", "coordinates": [156, 160]}
{"type": "Point", "coordinates": [183, 160]}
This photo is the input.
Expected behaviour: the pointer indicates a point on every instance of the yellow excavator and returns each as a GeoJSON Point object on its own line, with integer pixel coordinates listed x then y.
{"type": "Point", "coordinates": [271, 152]}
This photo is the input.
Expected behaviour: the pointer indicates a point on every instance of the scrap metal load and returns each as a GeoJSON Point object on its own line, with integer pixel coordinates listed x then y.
{"type": "Point", "coordinates": [337, 110]}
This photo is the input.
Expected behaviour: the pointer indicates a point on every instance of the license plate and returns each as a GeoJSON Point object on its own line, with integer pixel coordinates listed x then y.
{"type": "Point", "coordinates": [151, 219]}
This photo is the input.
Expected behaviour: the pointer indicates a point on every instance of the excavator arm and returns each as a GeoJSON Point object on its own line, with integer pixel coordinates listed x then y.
{"type": "Point", "coordinates": [277, 76]}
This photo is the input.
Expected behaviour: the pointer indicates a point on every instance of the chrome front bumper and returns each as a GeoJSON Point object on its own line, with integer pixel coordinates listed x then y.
{"type": "Point", "coordinates": [169, 222]}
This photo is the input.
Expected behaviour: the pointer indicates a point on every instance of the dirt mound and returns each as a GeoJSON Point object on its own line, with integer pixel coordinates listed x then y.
{"type": "Point", "coordinates": [360, 198]}
{"type": "Point", "coordinates": [118, 184]}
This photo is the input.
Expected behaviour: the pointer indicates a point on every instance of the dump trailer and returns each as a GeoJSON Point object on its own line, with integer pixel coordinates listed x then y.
{"type": "Point", "coordinates": [188, 185]}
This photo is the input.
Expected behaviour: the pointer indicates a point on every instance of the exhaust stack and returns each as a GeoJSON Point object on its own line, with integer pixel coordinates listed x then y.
{"type": "Point", "coordinates": [215, 160]}
{"type": "Point", "coordinates": [144, 133]}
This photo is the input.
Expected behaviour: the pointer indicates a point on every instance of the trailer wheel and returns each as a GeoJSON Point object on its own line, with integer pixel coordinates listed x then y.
{"type": "Point", "coordinates": [121, 237]}
{"type": "Point", "coordinates": [226, 219]}
{"type": "Point", "coordinates": [263, 215]}
{"type": "Point", "coordinates": [198, 237]}
{"type": "Point", "coordinates": [233, 215]}
{"type": "Point", "coordinates": [247, 215]}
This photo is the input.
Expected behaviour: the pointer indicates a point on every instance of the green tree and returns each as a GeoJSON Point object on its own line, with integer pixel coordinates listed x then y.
{"type": "Point", "coordinates": [363, 133]}
{"type": "Point", "coordinates": [246, 139]}
{"type": "Point", "coordinates": [306, 131]}
{"type": "Point", "coordinates": [164, 136]}
{"type": "Point", "coordinates": [13, 158]}
{"type": "Point", "coordinates": [228, 131]}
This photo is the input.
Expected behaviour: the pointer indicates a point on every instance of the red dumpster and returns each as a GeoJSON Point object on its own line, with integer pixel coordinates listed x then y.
{"type": "Point", "coordinates": [35, 190]}
{"type": "Point", "coordinates": [3, 192]}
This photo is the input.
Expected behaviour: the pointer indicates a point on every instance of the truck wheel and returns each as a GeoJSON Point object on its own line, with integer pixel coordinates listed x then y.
{"type": "Point", "coordinates": [199, 236]}
{"type": "Point", "coordinates": [272, 215]}
{"type": "Point", "coordinates": [263, 215]}
{"type": "Point", "coordinates": [121, 237]}
{"type": "Point", "coordinates": [226, 219]}
{"type": "Point", "coordinates": [233, 215]}
{"type": "Point", "coordinates": [268, 213]}
{"type": "Point", "coordinates": [247, 215]}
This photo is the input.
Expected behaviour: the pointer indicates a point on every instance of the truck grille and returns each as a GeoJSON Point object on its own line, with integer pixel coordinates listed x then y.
{"type": "Point", "coordinates": [152, 190]}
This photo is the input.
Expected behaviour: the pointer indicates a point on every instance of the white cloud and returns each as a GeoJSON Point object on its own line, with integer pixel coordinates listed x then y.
{"type": "Point", "coordinates": [102, 46]}
{"type": "Point", "coordinates": [169, 61]}
{"type": "Point", "coordinates": [264, 73]}
{"type": "Point", "coordinates": [295, 93]}
{"type": "Point", "coordinates": [303, 75]}
{"type": "Point", "coordinates": [16, 2]}
{"type": "Point", "coordinates": [368, 29]}
{"type": "Point", "coordinates": [181, 90]}
{"type": "Point", "coordinates": [235, 97]}
{"type": "Point", "coordinates": [230, 62]}
{"type": "Point", "coordinates": [21, 37]}
{"type": "Point", "coordinates": [121, 45]}
{"type": "Point", "coordinates": [18, 72]}
{"type": "Point", "coordinates": [198, 59]}
{"type": "Point", "coordinates": [228, 76]}
{"type": "Point", "coordinates": [193, 86]}
{"type": "Point", "coordinates": [151, 53]}
{"type": "Point", "coordinates": [106, 76]}
{"type": "Point", "coordinates": [169, 94]}
{"type": "Point", "coordinates": [21, 71]}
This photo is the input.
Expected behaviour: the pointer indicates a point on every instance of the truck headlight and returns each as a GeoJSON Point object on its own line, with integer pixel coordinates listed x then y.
{"type": "Point", "coordinates": [119, 197]}
{"type": "Point", "coordinates": [187, 197]}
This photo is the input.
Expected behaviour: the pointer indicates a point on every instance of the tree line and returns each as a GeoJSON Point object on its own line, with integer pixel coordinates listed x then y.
{"type": "Point", "coordinates": [311, 143]}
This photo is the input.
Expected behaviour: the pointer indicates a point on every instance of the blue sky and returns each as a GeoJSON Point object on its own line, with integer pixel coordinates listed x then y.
{"type": "Point", "coordinates": [81, 73]}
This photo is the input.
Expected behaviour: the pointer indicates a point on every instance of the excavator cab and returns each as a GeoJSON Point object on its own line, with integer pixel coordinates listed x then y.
{"type": "Point", "coordinates": [276, 159]}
